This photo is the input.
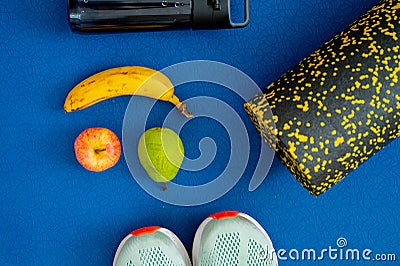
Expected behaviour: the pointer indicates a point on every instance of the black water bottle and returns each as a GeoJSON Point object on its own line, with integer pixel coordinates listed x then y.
{"type": "Point", "coordinates": [109, 15]}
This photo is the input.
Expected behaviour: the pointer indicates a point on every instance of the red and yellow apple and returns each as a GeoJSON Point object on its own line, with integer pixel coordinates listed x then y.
{"type": "Point", "coordinates": [97, 149]}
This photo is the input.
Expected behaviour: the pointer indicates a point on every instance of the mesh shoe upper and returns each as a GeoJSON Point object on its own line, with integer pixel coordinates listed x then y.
{"type": "Point", "coordinates": [232, 241]}
{"type": "Point", "coordinates": [161, 247]}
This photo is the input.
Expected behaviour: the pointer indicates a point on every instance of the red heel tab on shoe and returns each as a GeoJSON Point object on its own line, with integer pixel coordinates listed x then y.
{"type": "Point", "coordinates": [223, 215]}
{"type": "Point", "coordinates": [145, 230]}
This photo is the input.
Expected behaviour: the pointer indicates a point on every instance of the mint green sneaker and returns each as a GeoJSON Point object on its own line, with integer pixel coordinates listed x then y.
{"type": "Point", "coordinates": [151, 246]}
{"type": "Point", "coordinates": [232, 238]}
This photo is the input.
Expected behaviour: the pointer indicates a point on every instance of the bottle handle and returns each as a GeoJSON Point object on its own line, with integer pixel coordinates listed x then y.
{"type": "Point", "coordinates": [246, 16]}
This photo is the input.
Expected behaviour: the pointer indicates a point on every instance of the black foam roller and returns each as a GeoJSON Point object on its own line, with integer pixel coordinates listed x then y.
{"type": "Point", "coordinates": [340, 105]}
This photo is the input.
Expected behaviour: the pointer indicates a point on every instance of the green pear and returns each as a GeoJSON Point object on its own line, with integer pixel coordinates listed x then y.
{"type": "Point", "coordinates": [161, 153]}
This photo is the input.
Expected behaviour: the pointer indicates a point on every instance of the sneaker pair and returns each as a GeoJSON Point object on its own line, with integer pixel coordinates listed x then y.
{"type": "Point", "coordinates": [226, 238]}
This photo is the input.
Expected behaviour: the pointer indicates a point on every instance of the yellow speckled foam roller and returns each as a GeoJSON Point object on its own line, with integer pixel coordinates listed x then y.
{"type": "Point", "coordinates": [340, 105]}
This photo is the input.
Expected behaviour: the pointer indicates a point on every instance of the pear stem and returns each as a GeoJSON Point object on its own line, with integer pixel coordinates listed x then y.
{"type": "Point", "coordinates": [165, 186]}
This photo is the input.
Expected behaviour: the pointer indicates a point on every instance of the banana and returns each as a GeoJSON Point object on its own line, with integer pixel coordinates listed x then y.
{"type": "Point", "coordinates": [126, 80]}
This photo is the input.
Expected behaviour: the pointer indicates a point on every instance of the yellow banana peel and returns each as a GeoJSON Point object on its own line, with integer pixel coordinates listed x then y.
{"type": "Point", "coordinates": [120, 81]}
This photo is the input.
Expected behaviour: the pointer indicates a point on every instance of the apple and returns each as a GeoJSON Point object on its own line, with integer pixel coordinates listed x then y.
{"type": "Point", "coordinates": [97, 149]}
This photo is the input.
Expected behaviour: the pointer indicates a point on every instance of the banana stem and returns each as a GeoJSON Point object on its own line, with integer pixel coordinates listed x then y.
{"type": "Point", "coordinates": [182, 108]}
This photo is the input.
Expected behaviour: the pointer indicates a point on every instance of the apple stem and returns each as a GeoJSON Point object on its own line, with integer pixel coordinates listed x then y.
{"type": "Point", "coordinates": [99, 150]}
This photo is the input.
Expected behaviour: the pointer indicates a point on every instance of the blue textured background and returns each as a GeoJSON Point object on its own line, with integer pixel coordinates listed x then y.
{"type": "Point", "coordinates": [53, 212]}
